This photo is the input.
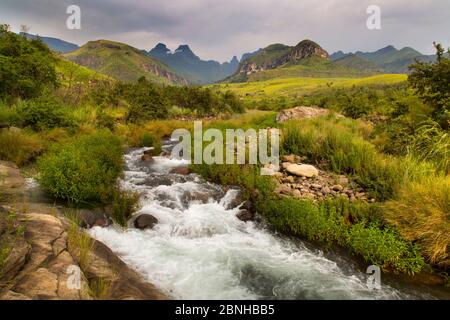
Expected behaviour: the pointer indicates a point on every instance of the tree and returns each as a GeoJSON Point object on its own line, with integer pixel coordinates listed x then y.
{"type": "Point", "coordinates": [26, 66]}
{"type": "Point", "coordinates": [431, 81]}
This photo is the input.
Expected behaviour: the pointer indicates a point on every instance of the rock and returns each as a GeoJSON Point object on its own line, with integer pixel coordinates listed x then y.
{"type": "Point", "coordinates": [326, 190]}
{"type": "Point", "coordinates": [283, 189]}
{"type": "Point", "coordinates": [145, 221]}
{"type": "Point", "coordinates": [289, 158]}
{"type": "Point", "coordinates": [165, 154]}
{"type": "Point", "coordinates": [147, 158]}
{"type": "Point", "coordinates": [316, 186]}
{"type": "Point", "coordinates": [302, 113]}
{"type": "Point", "coordinates": [92, 218]}
{"type": "Point", "coordinates": [236, 201]}
{"type": "Point", "coordinates": [284, 165]}
{"type": "Point", "coordinates": [124, 283]}
{"type": "Point", "coordinates": [270, 169]}
{"type": "Point", "coordinates": [297, 193]}
{"type": "Point", "coordinates": [303, 170]}
{"type": "Point", "coordinates": [184, 171]}
{"type": "Point", "coordinates": [40, 284]}
{"type": "Point", "coordinates": [289, 179]}
{"type": "Point", "coordinates": [248, 205]}
{"type": "Point", "coordinates": [343, 181]}
{"type": "Point", "coordinates": [245, 215]}
{"type": "Point", "coordinates": [337, 188]}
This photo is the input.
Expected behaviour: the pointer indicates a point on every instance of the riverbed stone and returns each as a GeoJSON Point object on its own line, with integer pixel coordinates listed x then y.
{"type": "Point", "coordinates": [145, 221]}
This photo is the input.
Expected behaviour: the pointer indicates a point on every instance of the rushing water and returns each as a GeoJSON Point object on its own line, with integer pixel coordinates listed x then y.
{"type": "Point", "coordinates": [200, 250]}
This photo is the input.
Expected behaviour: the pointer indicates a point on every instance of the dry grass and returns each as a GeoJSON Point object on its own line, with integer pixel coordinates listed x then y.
{"type": "Point", "coordinates": [421, 213]}
{"type": "Point", "coordinates": [79, 242]}
{"type": "Point", "coordinates": [100, 289]}
{"type": "Point", "coordinates": [20, 147]}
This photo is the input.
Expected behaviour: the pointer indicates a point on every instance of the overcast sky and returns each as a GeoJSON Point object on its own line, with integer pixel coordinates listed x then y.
{"type": "Point", "coordinates": [219, 29]}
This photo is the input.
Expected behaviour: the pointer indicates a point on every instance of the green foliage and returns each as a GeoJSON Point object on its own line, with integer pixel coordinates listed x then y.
{"type": "Point", "coordinates": [147, 101]}
{"type": "Point", "coordinates": [26, 66]}
{"type": "Point", "coordinates": [385, 248]}
{"type": "Point", "coordinates": [432, 83]}
{"type": "Point", "coordinates": [45, 112]}
{"type": "Point", "coordinates": [246, 176]}
{"type": "Point", "coordinates": [124, 204]}
{"type": "Point", "coordinates": [84, 169]}
{"type": "Point", "coordinates": [20, 146]}
{"type": "Point", "coordinates": [324, 223]}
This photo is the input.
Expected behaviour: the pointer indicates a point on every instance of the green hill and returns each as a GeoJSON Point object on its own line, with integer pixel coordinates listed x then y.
{"type": "Point", "coordinates": [355, 62]}
{"type": "Point", "coordinates": [123, 62]}
{"type": "Point", "coordinates": [307, 59]}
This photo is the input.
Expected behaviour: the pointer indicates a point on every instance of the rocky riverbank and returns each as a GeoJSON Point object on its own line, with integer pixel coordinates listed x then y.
{"type": "Point", "coordinates": [41, 260]}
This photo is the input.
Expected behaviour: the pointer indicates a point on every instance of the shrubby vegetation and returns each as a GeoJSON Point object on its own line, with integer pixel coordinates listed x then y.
{"type": "Point", "coordinates": [26, 66]}
{"type": "Point", "coordinates": [84, 169]}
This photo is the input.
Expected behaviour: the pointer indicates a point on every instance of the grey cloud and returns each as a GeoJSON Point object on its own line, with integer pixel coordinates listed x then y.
{"type": "Point", "coordinates": [218, 29]}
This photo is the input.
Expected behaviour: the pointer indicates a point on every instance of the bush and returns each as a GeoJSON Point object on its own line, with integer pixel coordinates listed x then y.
{"type": "Point", "coordinates": [26, 66]}
{"type": "Point", "coordinates": [46, 112]}
{"type": "Point", "coordinates": [84, 169]}
{"type": "Point", "coordinates": [421, 213]}
{"type": "Point", "coordinates": [20, 147]}
{"type": "Point", "coordinates": [325, 223]}
{"type": "Point", "coordinates": [385, 248]}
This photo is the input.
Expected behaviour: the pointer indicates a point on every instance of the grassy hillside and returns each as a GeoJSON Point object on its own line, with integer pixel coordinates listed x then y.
{"type": "Point", "coordinates": [294, 87]}
{"type": "Point", "coordinates": [123, 62]}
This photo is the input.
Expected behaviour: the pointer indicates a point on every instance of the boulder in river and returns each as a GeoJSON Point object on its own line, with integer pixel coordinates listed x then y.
{"type": "Point", "coordinates": [245, 215]}
{"type": "Point", "coordinates": [184, 171]}
{"type": "Point", "coordinates": [145, 221]}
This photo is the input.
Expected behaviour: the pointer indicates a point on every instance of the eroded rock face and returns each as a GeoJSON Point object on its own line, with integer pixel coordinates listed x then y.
{"type": "Point", "coordinates": [39, 264]}
{"type": "Point", "coordinates": [302, 112]}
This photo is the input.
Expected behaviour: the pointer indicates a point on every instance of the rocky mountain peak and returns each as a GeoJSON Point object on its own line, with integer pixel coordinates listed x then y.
{"type": "Point", "coordinates": [306, 49]}
{"type": "Point", "coordinates": [160, 49]}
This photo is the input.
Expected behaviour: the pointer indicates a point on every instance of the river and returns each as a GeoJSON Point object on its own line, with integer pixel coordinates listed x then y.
{"type": "Point", "coordinates": [200, 250]}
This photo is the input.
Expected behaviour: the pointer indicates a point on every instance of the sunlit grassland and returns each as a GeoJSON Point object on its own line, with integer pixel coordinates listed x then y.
{"type": "Point", "coordinates": [292, 87]}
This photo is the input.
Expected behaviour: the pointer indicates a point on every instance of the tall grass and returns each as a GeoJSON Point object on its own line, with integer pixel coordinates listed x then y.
{"type": "Point", "coordinates": [336, 144]}
{"type": "Point", "coordinates": [20, 147]}
{"type": "Point", "coordinates": [421, 213]}
{"type": "Point", "coordinates": [432, 143]}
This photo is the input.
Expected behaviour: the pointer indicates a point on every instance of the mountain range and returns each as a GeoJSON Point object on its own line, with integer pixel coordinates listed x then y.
{"type": "Point", "coordinates": [306, 59]}
{"type": "Point", "coordinates": [54, 44]}
{"type": "Point", "coordinates": [123, 62]}
{"type": "Point", "coordinates": [182, 66]}
{"type": "Point", "coordinates": [190, 66]}
{"type": "Point", "coordinates": [386, 60]}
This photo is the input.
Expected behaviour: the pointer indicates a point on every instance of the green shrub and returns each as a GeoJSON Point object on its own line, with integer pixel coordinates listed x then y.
{"type": "Point", "coordinates": [246, 176]}
{"type": "Point", "coordinates": [45, 112]}
{"type": "Point", "coordinates": [385, 248]}
{"type": "Point", "coordinates": [19, 146]}
{"type": "Point", "coordinates": [84, 169]}
{"type": "Point", "coordinates": [26, 66]}
{"type": "Point", "coordinates": [326, 222]}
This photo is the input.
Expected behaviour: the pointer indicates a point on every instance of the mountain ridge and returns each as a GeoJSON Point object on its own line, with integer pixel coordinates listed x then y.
{"type": "Point", "coordinates": [185, 62]}
{"type": "Point", "coordinates": [123, 62]}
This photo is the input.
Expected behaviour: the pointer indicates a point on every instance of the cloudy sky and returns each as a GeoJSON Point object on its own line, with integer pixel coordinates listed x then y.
{"type": "Point", "coordinates": [219, 29]}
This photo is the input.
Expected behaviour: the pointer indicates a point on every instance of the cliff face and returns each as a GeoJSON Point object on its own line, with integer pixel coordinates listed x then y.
{"type": "Point", "coordinates": [279, 55]}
